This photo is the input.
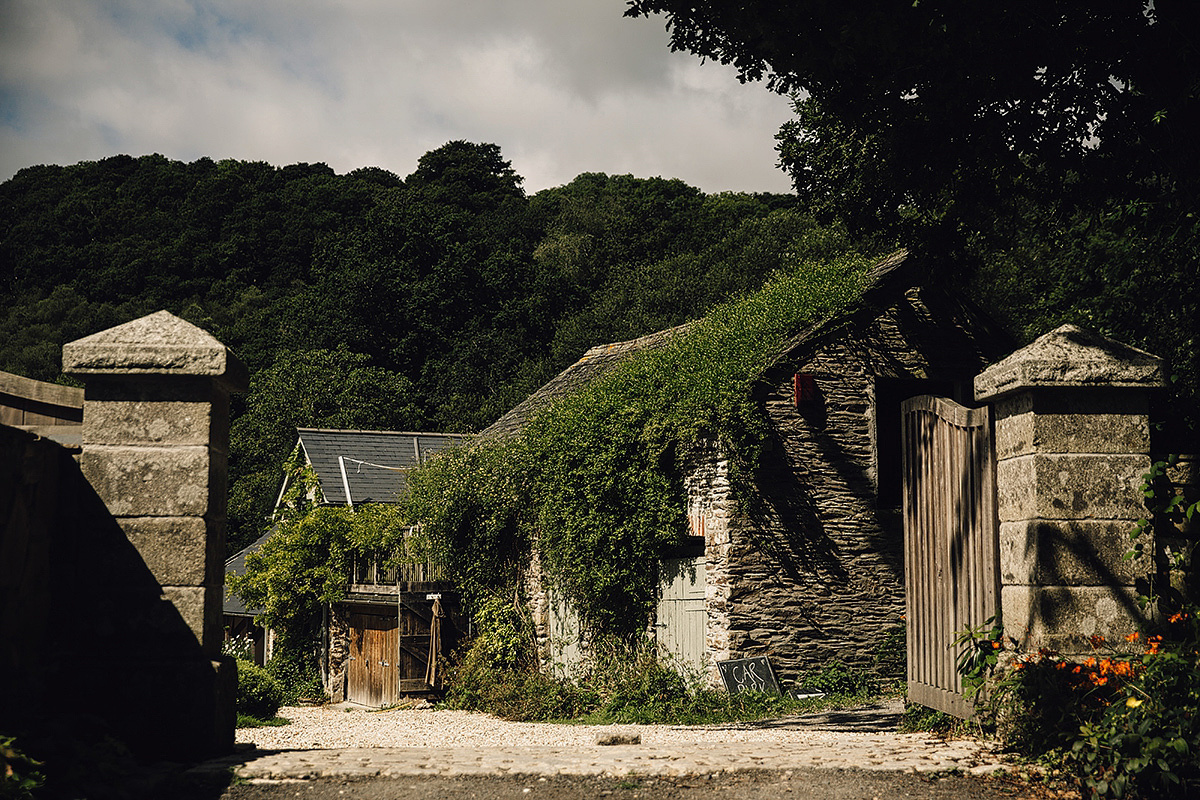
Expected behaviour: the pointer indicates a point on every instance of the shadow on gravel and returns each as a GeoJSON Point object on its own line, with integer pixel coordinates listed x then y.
{"type": "Point", "coordinates": [210, 780]}
{"type": "Point", "coordinates": [874, 718]}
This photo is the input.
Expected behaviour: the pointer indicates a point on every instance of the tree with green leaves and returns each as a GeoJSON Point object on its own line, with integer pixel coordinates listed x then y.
{"type": "Point", "coordinates": [1038, 152]}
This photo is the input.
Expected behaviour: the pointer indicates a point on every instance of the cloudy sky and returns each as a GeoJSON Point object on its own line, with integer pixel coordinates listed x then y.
{"type": "Point", "coordinates": [563, 86]}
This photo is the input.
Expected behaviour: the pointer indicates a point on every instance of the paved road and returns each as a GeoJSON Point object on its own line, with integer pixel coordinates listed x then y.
{"type": "Point", "coordinates": [833, 784]}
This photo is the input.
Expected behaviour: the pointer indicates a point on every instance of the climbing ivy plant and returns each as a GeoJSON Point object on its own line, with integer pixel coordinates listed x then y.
{"type": "Point", "coordinates": [593, 484]}
{"type": "Point", "coordinates": [306, 561]}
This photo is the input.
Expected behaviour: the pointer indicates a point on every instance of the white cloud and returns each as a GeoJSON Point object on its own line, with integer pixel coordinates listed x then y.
{"type": "Point", "coordinates": [563, 86]}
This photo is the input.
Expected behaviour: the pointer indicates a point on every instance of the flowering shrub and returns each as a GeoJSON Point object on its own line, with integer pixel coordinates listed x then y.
{"type": "Point", "coordinates": [1145, 737]}
{"type": "Point", "coordinates": [1125, 720]}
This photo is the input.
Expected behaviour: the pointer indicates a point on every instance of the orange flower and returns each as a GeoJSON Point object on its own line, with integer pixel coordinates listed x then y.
{"type": "Point", "coordinates": [1089, 661]}
{"type": "Point", "coordinates": [1177, 616]}
{"type": "Point", "coordinates": [1077, 669]}
{"type": "Point", "coordinates": [1133, 637]}
{"type": "Point", "coordinates": [1154, 643]}
{"type": "Point", "coordinates": [1096, 639]}
{"type": "Point", "coordinates": [995, 645]}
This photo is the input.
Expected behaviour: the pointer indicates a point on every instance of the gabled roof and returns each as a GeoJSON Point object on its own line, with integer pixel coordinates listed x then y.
{"type": "Point", "coordinates": [595, 363]}
{"type": "Point", "coordinates": [237, 565]}
{"type": "Point", "coordinates": [373, 464]}
{"type": "Point", "coordinates": [961, 331]}
{"type": "Point", "coordinates": [886, 282]}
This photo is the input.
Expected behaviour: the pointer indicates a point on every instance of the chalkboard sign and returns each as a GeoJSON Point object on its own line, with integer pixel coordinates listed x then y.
{"type": "Point", "coordinates": [748, 675]}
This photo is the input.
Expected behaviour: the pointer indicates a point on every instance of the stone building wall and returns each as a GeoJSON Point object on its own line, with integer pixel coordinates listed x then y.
{"type": "Point", "coordinates": [813, 570]}
{"type": "Point", "coordinates": [710, 510]}
{"type": "Point", "coordinates": [337, 654]}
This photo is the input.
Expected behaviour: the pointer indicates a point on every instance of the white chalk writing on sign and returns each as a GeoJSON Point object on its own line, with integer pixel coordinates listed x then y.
{"type": "Point", "coordinates": [748, 675]}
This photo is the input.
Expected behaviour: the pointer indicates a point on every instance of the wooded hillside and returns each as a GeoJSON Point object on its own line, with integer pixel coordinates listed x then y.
{"type": "Point", "coordinates": [432, 302]}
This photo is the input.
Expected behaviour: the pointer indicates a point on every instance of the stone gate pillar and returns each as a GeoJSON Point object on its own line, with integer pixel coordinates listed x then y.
{"type": "Point", "coordinates": [1072, 438]}
{"type": "Point", "coordinates": [155, 449]}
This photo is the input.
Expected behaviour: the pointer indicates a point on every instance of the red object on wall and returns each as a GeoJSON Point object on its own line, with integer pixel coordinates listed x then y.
{"type": "Point", "coordinates": [804, 388]}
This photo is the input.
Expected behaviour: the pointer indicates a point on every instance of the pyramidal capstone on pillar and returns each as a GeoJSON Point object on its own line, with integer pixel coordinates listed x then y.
{"type": "Point", "coordinates": [155, 449]}
{"type": "Point", "coordinates": [1072, 437]}
{"type": "Point", "coordinates": [157, 344]}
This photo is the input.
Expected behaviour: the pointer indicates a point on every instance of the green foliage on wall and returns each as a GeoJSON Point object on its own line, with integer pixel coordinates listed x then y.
{"type": "Point", "coordinates": [593, 485]}
{"type": "Point", "coordinates": [306, 562]}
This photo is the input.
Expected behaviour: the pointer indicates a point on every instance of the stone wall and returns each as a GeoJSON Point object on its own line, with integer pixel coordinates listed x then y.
{"type": "Point", "coordinates": [710, 509]}
{"type": "Point", "coordinates": [337, 654]}
{"type": "Point", "coordinates": [813, 570]}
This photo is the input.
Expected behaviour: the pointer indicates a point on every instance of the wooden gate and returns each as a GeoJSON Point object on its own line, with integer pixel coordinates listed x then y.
{"type": "Point", "coordinates": [950, 542]}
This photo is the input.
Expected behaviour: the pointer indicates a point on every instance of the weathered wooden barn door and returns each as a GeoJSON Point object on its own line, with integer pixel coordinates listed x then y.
{"type": "Point", "coordinates": [950, 541]}
{"type": "Point", "coordinates": [371, 674]}
{"type": "Point", "coordinates": [416, 615]}
{"type": "Point", "coordinates": [681, 613]}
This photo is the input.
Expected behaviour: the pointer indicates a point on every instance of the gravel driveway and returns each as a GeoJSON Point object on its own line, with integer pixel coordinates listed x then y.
{"type": "Point", "coordinates": [338, 727]}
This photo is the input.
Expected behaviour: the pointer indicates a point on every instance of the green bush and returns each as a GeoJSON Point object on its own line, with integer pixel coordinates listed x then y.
{"type": "Point", "coordinates": [1126, 724]}
{"type": "Point", "coordinates": [19, 774]}
{"type": "Point", "coordinates": [297, 674]}
{"type": "Point", "coordinates": [922, 719]}
{"type": "Point", "coordinates": [835, 678]}
{"type": "Point", "coordinates": [259, 695]}
{"type": "Point", "coordinates": [627, 682]}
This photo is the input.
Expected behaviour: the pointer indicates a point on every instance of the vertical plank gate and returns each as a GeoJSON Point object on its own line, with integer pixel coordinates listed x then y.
{"type": "Point", "coordinates": [950, 541]}
{"type": "Point", "coordinates": [372, 673]}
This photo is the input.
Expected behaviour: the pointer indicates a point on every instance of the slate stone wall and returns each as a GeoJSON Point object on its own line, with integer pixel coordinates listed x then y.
{"type": "Point", "coordinates": [812, 570]}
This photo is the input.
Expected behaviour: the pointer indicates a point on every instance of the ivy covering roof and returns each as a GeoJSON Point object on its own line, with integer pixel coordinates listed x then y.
{"type": "Point", "coordinates": [595, 363]}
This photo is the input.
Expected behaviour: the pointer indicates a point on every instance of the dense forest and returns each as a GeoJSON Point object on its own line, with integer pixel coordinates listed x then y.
{"type": "Point", "coordinates": [439, 300]}
{"type": "Point", "coordinates": [433, 302]}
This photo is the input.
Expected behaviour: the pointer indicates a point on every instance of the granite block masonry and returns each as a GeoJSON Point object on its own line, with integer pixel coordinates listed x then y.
{"type": "Point", "coordinates": [155, 449]}
{"type": "Point", "coordinates": [1072, 436]}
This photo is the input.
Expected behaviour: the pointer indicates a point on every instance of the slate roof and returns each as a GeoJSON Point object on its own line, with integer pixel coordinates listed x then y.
{"type": "Point", "coordinates": [375, 461]}
{"type": "Point", "coordinates": [595, 363]}
{"type": "Point", "coordinates": [237, 565]}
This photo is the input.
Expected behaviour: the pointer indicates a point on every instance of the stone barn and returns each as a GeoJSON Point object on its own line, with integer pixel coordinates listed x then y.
{"type": "Point", "coordinates": [812, 569]}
